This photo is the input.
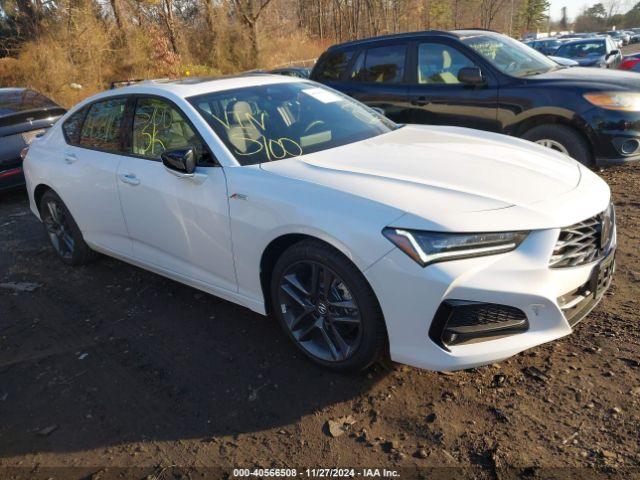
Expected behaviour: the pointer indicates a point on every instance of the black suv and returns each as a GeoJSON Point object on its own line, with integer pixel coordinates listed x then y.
{"type": "Point", "coordinates": [486, 80]}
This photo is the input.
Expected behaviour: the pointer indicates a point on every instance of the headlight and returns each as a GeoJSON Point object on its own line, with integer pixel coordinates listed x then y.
{"type": "Point", "coordinates": [623, 101]}
{"type": "Point", "coordinates": [431, 247]}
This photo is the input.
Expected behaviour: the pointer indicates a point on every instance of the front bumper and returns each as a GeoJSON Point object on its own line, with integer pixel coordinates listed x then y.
{"type": "Point", "coordinates": [615, 136]}
{"type": "Point", "coordinates": [410, 297]}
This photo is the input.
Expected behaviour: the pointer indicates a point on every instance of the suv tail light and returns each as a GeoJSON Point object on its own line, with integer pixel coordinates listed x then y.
{"type": "Point", "coordinates": [23, 152]}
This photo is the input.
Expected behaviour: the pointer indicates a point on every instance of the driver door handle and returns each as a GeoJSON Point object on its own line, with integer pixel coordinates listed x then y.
{"type": "Point", "coordinates": [420, 101]}
{"type": "Point", "coordinates": [129, 178]}
{"type": "Point", "coordinates": [70, 158]}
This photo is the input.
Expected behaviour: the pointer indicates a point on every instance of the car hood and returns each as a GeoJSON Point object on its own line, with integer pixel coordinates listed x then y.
{"type": "Point", "coordinates": [566, 62]}
{"type": "Point", "coordinates": [437, 172]}
{"type": "Point", "coordinates": [602, 77]}
{"type": "Point", "coordinates": [588, 60]}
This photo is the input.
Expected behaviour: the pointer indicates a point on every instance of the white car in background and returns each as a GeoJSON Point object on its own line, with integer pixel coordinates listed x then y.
{"type": "Point", "coordinates": [449, 247]}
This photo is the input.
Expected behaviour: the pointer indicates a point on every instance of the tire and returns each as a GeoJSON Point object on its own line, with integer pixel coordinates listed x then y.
{"type": "Point", "coordinates": [570, 140]}
{"type": "Point", "coordinates": [347, 309]}
{"type": "Point", "coordinates": [63, 232]}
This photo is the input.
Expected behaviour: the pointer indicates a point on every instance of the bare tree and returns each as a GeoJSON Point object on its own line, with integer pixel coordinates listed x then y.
{"type": "Point", "coordinates": [249, 12]}
{"type": "Point", "coordinates": [489, 11]}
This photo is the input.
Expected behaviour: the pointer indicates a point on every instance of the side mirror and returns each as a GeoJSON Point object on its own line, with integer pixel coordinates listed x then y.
{"type": "Point", "coordinates": [180, 161]}
{"type": "Point", "coordinates": [471, 76]}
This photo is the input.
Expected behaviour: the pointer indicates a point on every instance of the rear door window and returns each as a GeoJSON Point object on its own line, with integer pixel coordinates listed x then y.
{"type": "Point", "coordinates": [381, 65]}
{"type": "Point", "coordinates": [101, 129]}
{"type": "Point", "coordinates": [333, 65]}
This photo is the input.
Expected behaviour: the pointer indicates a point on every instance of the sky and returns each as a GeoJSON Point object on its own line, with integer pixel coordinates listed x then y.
{"type": "Point", "coordinates": [574, 7]}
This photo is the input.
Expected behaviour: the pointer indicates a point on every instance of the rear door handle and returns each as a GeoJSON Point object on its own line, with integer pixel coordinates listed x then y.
{"type": "Point", "coordinates": [129, 178]}
{"type": "Point", "coordinates": [70, 158]}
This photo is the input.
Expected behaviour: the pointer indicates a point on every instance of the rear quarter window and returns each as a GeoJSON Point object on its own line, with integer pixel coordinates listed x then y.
{"type": "Point", "coordinates": [333, 65]}
{"type": "Point", "coordinates": [72, 127]}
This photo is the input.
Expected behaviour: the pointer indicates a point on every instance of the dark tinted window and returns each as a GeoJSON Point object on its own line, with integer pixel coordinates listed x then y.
{"type": "Point", "coordinates": [333, 65]}
{"type": "Point", "coordinates": [583, 49]}
{"type": "Point", "coordinates": [158, 126]}
{"type": "Point", "coordinates": [13, 100]}
{"type": "Point", "coordinates": [440, 64]}
{"type": "Point", "coordinates": [381, 65]}
{"type": "Point", "coordinates": [72, 127]}
{"type": "Point", "coordinates": [101, 128]}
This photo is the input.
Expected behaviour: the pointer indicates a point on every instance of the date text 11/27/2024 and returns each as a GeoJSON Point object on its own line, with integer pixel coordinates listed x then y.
{"type": "Point", "coordinates": [316, 473]}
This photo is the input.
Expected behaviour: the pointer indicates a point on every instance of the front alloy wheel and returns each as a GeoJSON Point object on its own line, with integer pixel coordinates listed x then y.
{"type": "Point", "coordinates": [553, 145]}
{"type": "Point", "coordinates": [327, 307]}
{"type": "Point", "coordinates": [320, 311]}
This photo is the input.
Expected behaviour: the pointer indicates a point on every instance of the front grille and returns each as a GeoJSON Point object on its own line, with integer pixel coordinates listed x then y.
{"type": "Point", "coordinates": [577, 304]}
{"type": "Point", "coordinates": [458, 322]}
{"type": "Point", "coordinates": [584, 242]}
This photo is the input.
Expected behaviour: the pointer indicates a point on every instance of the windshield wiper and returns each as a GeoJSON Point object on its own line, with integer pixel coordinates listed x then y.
{"type": "Point", "coordinates": [537, 71]}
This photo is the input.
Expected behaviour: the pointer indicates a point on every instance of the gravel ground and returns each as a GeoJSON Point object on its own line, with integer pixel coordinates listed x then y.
{"type": "Point", "coordinates": [108, 370]}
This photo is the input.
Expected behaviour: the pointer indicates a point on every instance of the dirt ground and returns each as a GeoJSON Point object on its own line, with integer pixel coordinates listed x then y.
{"type": "Point", "coordinates": [108, 370]}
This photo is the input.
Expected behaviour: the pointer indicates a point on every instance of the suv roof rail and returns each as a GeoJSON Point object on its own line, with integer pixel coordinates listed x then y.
{"type": "Point", "coordinates": [391, 36]}
{"type": "Point", "coordinates": [475, 28]}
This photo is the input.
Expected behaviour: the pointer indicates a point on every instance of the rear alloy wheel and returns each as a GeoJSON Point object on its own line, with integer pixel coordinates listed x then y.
{"type": "Point", "coordinates": [326, 307]}
{"type": "Point", "coordinates": [64, 234]}
{"type": "Point", "coordinates": [562, 139]}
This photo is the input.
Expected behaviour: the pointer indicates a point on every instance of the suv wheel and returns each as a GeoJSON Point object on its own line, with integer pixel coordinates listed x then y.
{"type": "Point", "coordinates": [64, 234]}
{"type": "Point", "coordinates": [562, 139]}
{"type": "Point", "coordinates": [326, 307]}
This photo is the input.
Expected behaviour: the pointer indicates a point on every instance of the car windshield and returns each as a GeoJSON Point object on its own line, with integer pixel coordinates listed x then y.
{"type": "Point", "coordinates": [582, 50]}
{"type": "Point", "coordinates": [15, 100]}
{"type": "Point", "coordinates": [272, 122]}
{"type": "Point", "coordinates": [509, 55]}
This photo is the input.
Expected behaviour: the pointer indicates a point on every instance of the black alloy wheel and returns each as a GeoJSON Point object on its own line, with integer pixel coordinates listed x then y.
{"type": "Point", "coordinates": [326, 306]}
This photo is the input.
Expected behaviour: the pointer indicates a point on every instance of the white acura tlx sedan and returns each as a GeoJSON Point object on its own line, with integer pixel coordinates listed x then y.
{"type": "Point", "coordinates": [448, 247]}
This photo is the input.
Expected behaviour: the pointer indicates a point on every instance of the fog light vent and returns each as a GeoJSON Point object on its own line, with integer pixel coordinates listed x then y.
{"type": "Point", "coordinates": [629, 147]}
{"type": "Point", "coordinates": [458, 322]}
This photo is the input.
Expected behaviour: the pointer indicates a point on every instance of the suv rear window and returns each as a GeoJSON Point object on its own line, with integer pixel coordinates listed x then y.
{"type": "Point", "coordinates": [333, 65]}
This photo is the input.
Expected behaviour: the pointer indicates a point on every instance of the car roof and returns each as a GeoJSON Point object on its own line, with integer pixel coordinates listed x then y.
{"type": "Point", "coordinates": [411, 35]}
{"type": "Point", "coordinates": [193, 86]}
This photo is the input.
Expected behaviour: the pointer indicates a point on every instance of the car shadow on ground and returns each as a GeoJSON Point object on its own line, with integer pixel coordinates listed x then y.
{"type": "Point", "coordinates": [108, 354]}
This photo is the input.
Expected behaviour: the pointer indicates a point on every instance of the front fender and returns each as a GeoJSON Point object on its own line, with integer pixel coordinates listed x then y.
{"type": "Point", "coordinates": [267, 206]}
